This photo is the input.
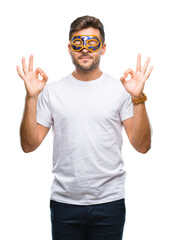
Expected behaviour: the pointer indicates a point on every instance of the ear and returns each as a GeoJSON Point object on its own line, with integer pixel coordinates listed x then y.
{"type": "Point", "coordinates": [103, 49]}
{"type": "Point", "coordinates": [69, 49]}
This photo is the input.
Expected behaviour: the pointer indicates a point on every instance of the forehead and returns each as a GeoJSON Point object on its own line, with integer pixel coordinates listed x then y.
{"type": "Point", "coordinates": [88, 31]}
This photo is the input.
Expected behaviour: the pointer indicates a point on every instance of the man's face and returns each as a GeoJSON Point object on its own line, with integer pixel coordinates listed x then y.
{"type": "Point", "coordinates": [86, 60]}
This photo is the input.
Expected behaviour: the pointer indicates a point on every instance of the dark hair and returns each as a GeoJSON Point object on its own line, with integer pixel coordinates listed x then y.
{"type": "Point", "coordinates": [86, 22]}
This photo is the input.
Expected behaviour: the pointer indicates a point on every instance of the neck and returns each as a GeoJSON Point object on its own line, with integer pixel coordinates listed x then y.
{"type": "Point", "coordinates": [87, 75]}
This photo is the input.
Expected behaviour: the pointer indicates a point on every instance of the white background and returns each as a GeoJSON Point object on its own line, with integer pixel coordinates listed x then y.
{"type": "Point", "coordinates": [41, 28]}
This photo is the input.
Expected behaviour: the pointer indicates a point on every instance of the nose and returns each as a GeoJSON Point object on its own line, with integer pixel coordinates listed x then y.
{"type": "Point", "coordinates": [84, 50]}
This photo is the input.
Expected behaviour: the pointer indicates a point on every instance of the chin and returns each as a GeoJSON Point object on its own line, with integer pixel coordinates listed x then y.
{"type": "Point", "coordinates": [86, 68]}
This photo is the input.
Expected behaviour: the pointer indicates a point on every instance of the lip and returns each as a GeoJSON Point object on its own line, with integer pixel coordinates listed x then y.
{"type": "Point", "coordinates": [85, 58]}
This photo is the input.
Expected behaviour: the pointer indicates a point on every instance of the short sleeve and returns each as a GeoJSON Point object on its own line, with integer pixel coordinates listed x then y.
{"type": "Point", "coordinates": [126, 110]}
{"type": "Point", "coordinates": [43, 109]}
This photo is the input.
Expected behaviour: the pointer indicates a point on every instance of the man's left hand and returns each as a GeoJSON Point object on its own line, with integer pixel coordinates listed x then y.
{"type": "Point", "coordinates": [135, 84]}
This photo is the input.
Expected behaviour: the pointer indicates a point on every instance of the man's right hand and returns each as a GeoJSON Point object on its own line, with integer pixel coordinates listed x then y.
{"type": "Point", "coordinates": [33, 84]}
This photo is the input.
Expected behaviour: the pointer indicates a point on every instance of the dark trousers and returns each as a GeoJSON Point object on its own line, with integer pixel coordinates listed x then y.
{"type": "Point", "coordinates": [88, 222]}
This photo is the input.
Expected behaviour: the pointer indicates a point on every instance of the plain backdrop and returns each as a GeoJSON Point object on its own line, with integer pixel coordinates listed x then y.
{"type": "Point", "coordinates": [41, 28]}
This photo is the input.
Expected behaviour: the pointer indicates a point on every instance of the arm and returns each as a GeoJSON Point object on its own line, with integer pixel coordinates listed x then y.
{"type": "Point", "coordinates": [138, 127]}
{"type": "Point", "coordinates": [31, 133]}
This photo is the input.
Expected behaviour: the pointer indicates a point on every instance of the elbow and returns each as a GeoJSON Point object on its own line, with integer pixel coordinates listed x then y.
{"type": "Point", "coordinates": [144, 149]}
{"type": "Point", "coordinates": [28, 149]}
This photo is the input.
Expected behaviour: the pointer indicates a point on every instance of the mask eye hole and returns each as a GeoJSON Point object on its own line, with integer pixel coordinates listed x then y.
{"type": "Point", "coordinates": [77, 42]}
{"type": "Point", "coordinates": [92, 42]}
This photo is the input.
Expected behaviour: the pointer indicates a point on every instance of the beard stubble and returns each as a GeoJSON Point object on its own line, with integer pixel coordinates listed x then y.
{"type": "Point", "coordinates": [83, 67]}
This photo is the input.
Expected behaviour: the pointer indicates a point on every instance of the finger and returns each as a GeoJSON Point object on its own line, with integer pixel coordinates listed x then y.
{"type": "Point", "coordinates": [24, 68]}
{"type": "Point", "coordinates": [149, 72]}
{"type": "Point", "coordinates": [45, 77]}
{"type": "Point", "coordinates": [138, 65]}
{"type": "Point", "coordinates": [42, 73]}
{"type": "Point", "coordinates": [145, 65]}
{"type": "Point", "coordinates": [20, 73]}
{"type": "Point", "coordinates": [38, 71]}
{"type": "Point", "coordinates": [129, 71]}
{"type": "Point", "coordinates": [123, 79]}
{"type": "Point", "coordinates": [30, 66]}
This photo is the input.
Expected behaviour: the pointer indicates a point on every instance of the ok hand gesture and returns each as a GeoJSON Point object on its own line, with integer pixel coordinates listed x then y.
{"type": "Point", "coordinates": [136, 84]}
{"type": "Point", "coordinates": [32, 83]}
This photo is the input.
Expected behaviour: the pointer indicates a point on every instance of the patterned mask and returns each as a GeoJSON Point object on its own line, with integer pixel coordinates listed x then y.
{"type": "Point", "coordinates": [90, 42]}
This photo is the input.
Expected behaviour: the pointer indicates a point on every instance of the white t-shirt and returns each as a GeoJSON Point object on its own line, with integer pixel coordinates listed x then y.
{"type": "Point", "coordinates": [86, 118]}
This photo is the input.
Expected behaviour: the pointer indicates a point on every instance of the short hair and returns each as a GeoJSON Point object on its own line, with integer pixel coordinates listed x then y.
{"type": "Point", "coordinates": [86, 22]}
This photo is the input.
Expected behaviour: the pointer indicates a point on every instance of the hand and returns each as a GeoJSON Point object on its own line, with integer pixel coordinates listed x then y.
{"type": "Point", "coordinates": [32, 83]}
{"type": "Point", "coordinates": [135, 85]}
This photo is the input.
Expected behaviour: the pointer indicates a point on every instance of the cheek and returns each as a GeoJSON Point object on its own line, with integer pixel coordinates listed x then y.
{"type": "Point", "coordinates": [97, 55]}
{"type": "Point", "coordinates": [75, 54]}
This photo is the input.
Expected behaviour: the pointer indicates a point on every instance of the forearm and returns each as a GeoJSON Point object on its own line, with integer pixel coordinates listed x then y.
{"type": "Point", "coordinates": [29, 129]}
{"type": "Point", "coordinates": [141, 133]}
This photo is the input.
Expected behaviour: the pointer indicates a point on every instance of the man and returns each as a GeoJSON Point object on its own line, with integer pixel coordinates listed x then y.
{"type": "Point", "coordinates": [86, 110]}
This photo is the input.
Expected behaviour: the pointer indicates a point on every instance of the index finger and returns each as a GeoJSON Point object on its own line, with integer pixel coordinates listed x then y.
{"type": "Point", "coordinates": [42, 73]}
{"type": "Point", "coordinates": [129, 71]}
{"type": "Point", "coordinates": [138, 65]}
{"type": "Point", "coordinates": [30, 66]}
{"type": "Point", "coordinates": [45, 77]}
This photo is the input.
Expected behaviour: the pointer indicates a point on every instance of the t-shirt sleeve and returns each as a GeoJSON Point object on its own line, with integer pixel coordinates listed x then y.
{"type": "Point", "coordinates": [126, 110]}
{"type": "Point", "coordinates": [43, 109]}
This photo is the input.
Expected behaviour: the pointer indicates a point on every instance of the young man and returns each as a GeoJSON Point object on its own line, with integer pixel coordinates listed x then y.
{"type": "Point", "coordinates": [86, 110]}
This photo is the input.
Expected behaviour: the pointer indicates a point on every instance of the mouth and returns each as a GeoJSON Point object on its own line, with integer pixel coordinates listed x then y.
{"type": "Point", "coordinates": [85, 57]}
